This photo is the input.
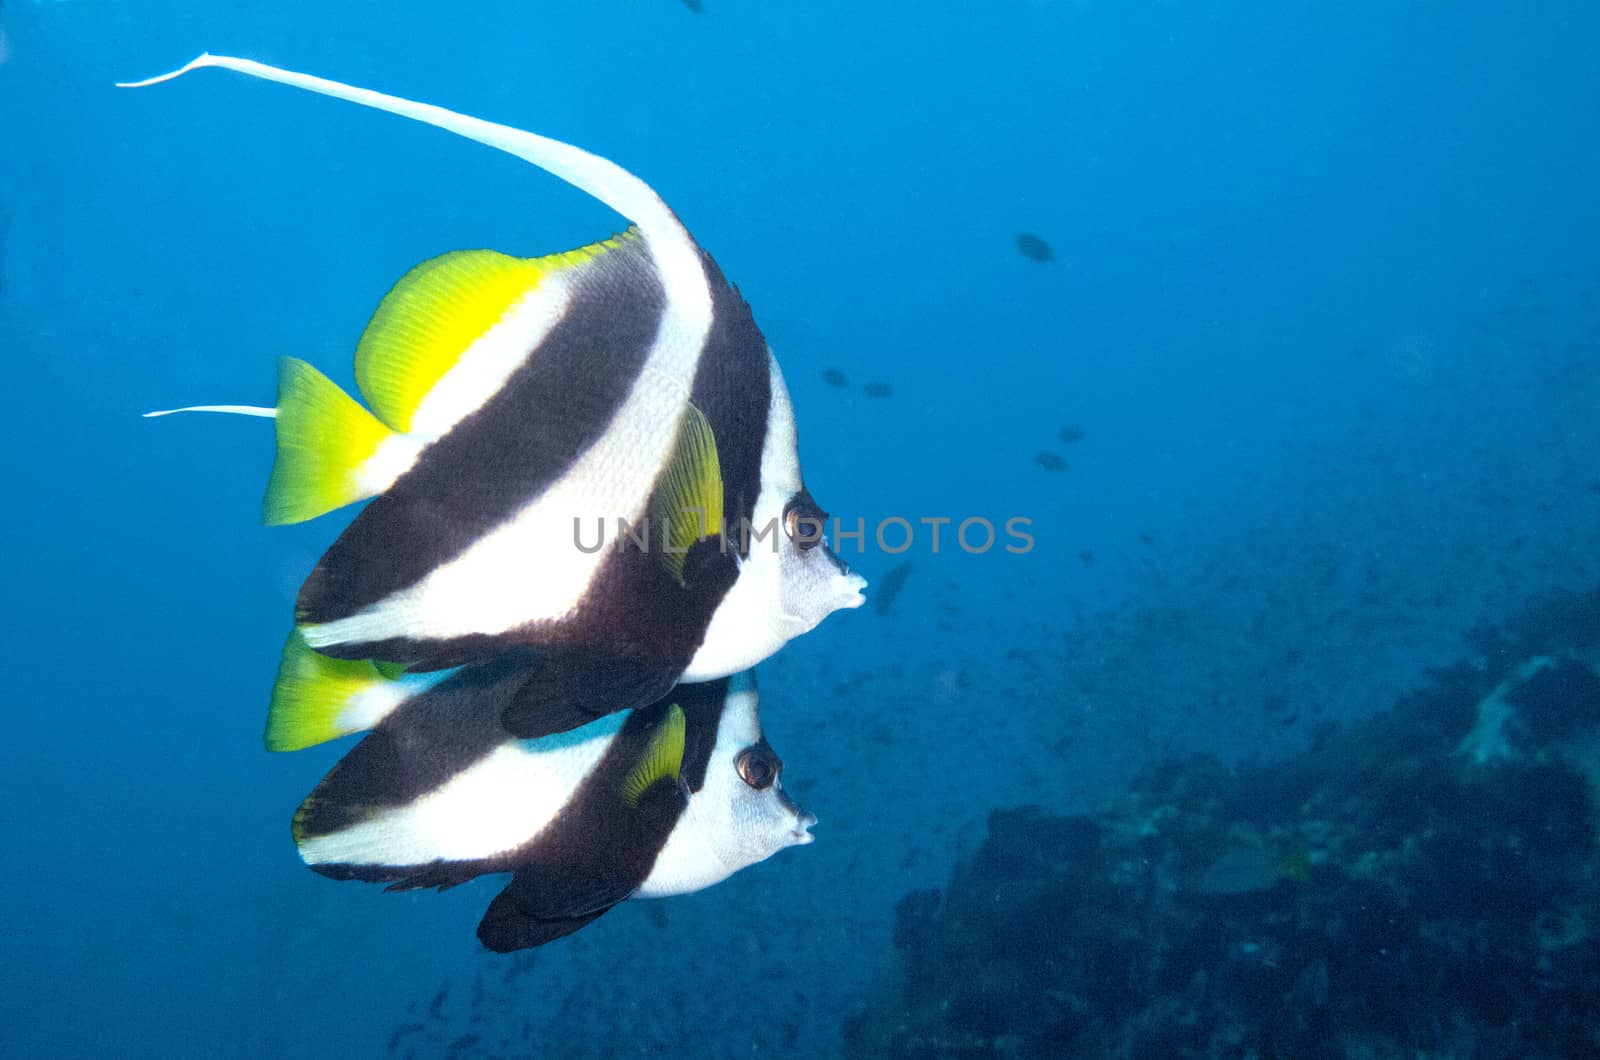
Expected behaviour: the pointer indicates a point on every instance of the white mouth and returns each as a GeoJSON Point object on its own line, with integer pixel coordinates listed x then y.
{"type": "Point", "coordinates": [800, 835]}
{"type": "Point", "coordinates": [853, 585]}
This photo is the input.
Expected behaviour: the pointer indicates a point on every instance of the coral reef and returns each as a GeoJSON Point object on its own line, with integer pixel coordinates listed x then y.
{"type": "Point", "coordinates": [1423, 882]}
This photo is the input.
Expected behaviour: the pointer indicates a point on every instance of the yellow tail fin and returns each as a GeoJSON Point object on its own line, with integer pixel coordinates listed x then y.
{"type": "Point", "coordinates": [316, 699]}
{"type": "Point", "coordinates": [326, 444]}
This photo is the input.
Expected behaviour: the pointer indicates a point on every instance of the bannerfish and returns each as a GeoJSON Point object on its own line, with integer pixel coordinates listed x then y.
{"type": "Point", "coordinates": [519, 406]}
{"type": "Point", "coordinates": [661, 800]}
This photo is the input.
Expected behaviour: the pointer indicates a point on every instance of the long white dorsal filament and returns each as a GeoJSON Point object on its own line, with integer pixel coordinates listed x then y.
{"type": "Point", "coordinates": [599, 177]}
{"type": "Point", "coordinates": [232, 410]}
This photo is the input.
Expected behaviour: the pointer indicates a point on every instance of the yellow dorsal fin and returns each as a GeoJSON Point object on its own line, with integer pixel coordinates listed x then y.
{"type": "Point", "coordinates": [324, 440]}
{"type": "Point", "coordinates": [311, 696]}
{"type": "Point", "coordinates": [436, 312]}
{"type": "Point", "coordinates": [662, 757]}
{"type": "Point", "coordinates": [427, 321]}
{"type": "Point", "coordinates": [687, 503]}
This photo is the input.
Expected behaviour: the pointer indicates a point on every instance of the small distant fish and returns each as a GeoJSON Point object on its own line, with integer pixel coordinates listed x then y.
{"type": "Point", "coordinates": [1086, 557]}
{"type": "Point", "coordinates": [696, 6]}
{"type": "Point", "coordinates": [893, 582]}
{"type": "Point", "coordinates": [402, 1032]}
{"type": "Point", "coordinates": [877, 390]}
{"type": "Point", "coordinates": [1035, 248]}
{"type": "Point", "coordinates": [1049, 461]}
{"type": "Point", "coordinates": [1072, 434]}
{"type": "Point", "coordinates": [662, 800]}
{"type": "Point", "coordinates": [513, 401]}
{"type": "Point", "coordinates": [834, 377]}
{"type": "Point", "coordinates": [1252, 863]}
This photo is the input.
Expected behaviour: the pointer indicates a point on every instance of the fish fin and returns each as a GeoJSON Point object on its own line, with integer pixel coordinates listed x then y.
{"type": "Point", "coordinates": [429, 319]}
{"type": "Point", "coordinates": [662, 758]}
{"type": "Point", "coordinates": [596, 176]}
{"type": "Point", "coordinates": [508, 924]}
{"type": "Point", "coordinates": [325, 441]}
{"type": "Point", "coordinates": [316, 699]}
{"type": "Point", "coordinates": [436, 313]}
{"type": "Point", "coordinates": [231, 410]}
{"type": "Point", "coordinates": [686, 506]}
{"type": "Point", "coordinates": [597, 864]}
{"type": "Point", "coordinates": [560, 694]}
{"type": "Point", "coordinates": [441, 875]}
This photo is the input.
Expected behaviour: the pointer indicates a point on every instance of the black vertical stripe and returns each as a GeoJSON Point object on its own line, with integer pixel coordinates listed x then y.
{"type": "Point", "coordinates": [635, 611]}
{"type": "Point", "coordinates": [514, 447]}
{"type": "Point", "coordinates": [597, 846]}
{"type": "Point", "coordinates": [426, 742]}
{"type": "Point", "coordinates": [733, 388]}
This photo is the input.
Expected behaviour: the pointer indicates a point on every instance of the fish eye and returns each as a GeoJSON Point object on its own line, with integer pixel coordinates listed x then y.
{"type": "Point", "coordinates": [803, 521]}
{"type": "Point", "coordinates": [758, 767]}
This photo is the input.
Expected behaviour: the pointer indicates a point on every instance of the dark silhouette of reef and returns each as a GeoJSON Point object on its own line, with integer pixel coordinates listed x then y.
{"type": "Point", "coordinates": [1425, 881]}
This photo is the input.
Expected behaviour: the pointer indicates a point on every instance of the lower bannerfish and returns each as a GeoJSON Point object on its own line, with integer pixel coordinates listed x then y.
{"type": "Point", "coordinates": [661, 800]}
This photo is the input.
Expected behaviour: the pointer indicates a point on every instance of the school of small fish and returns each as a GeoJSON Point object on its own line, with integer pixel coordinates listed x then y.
{"type": "Point", "coordinates": [537, 699]}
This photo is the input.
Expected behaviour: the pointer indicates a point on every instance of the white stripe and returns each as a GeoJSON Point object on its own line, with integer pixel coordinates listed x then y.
{"type": "Point", "coordinates": [395, 455]}
{"type": "Point", "coordinates": [363, 710]}
{"type": "Point", "coordinates": [690, 861]}
{"type": "Point", "coordinates": [478, 375]}
{"type": "Point", "coordinates": [493, 357]}
{"type": "Point", "coordinates": [496, 805]}
{"type": "Point", "coordinates": [529, 569]}
{"type": "Point", "coordinates": [742, 632]}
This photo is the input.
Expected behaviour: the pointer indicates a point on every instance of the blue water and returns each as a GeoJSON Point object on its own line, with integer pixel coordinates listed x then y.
{"type": "Point", "coordinates": [1325, 303]}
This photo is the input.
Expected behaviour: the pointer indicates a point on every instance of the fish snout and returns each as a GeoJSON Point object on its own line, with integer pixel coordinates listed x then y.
{"type": "Point", "coordinates": [851, 592]}
{"type": "Point", "coordinates": [850, 582]}
{"type": "Point", "coordinates": [800, 834]}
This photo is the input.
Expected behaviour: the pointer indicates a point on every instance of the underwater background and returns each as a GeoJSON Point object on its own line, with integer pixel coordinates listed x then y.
{"type": "Point", "coordinates": [1280, 322]}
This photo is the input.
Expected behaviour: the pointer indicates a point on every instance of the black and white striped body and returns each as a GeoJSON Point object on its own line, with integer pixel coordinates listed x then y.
{"type": "Point", "coordinates": [438, 794]}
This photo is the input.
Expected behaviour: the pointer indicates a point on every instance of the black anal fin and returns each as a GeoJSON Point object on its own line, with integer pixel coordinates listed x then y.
{"type": "Point", "coordinates": [508, 926]}
{"type": "Point", "coordinates": [562, 693]}
{"type": "Point", "coordinates": [605, 844]}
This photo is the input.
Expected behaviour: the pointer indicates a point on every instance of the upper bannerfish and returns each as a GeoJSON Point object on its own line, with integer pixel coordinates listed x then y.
{"type": "Point", "coordinates": [514, 406]}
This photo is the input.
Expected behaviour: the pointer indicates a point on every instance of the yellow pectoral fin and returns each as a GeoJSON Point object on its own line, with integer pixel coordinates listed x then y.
{"type": "Point", "coordinates": [662, 757]}
{"type": "Point", "coordinates": [687, 503]}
